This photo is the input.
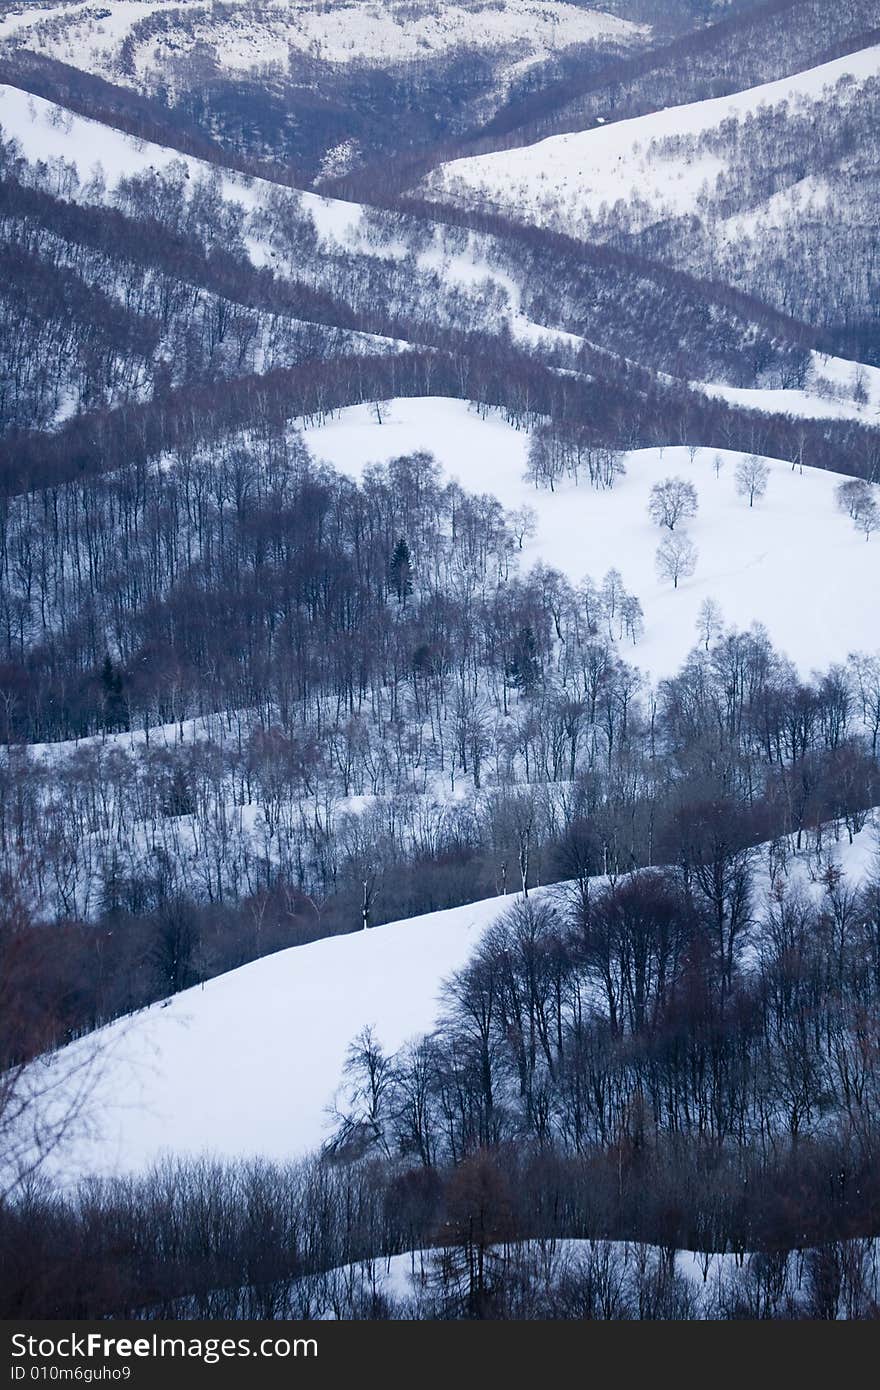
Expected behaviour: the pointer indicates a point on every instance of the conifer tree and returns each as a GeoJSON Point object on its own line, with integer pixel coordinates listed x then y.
{"type": "Point", "coordinates": [401, 572]}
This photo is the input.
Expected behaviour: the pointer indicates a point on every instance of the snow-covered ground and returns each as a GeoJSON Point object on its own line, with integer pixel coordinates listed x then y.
{"type": "Point", "coordinates": [50, 133]}
{"type": "Point", "coordinates": [564, 178]}
{"type": "Point", "coordinates": [831, 393]}
{"type": "Point", "coordinates": [244, 36]}
{"type": "Point", "coordinates": [249, 1063]}
{"type": "Point", "coordinates": [793, 561]}
{"type": "Point", "coordinates": [411, 1278]}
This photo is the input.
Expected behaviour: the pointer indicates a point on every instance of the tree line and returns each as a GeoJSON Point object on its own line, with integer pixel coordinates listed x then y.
{"type": "Point", "coordinates": [215, 659]}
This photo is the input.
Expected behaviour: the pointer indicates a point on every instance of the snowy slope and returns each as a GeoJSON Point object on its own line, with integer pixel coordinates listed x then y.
{"type": "Point", "coordinates": [760, 564]}
{"type": "Point", "coordinates": [751, 573]}
{"type": "Point", "coordinates": [411, 1277]}
{"type": "Point", "coordinates": [104, 24]}
{"type": "Point", "coordinates": [561, 179]}
{"type": "Point", "coordinates": [249, 1062]}
{"type": "Point", "coordinates": [827, 400]}
{"type": "Point", "coordinates": [832, 392]}
{"type": "Point", "coordinates": [243, 36]}
{"type": "Point", "coordinates": [48, 133]}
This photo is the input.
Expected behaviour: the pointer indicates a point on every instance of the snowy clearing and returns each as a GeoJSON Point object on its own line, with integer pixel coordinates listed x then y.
{"type": "Point", "coordinates": [564, 178]}
{"type": "Point", "coordinates": [829, 394]}
{"type": "Point", "coordinates": [48, 132]}
{"type": "Point", "coordinates": [792, 562]}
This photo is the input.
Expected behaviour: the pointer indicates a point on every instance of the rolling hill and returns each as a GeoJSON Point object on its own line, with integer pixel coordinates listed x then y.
{"type": "Point", "coordinates": [251, 1063]}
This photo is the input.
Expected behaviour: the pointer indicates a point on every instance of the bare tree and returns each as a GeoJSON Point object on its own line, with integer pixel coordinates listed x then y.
{"type": "Point", "coordinates": [676, 559]}
{"type": "Point", "coordinates": [523, 523]}
{"type": "Point", "coordinates": [44, 1095]}
{"type": "Point", "coordinates": [866, 668]}
{"type": "Point", "coordinates": [852, 496]}
{"type": "Point", "coordinates": [672, 501]}
{"type": "Point", "coordinates": [752, 476]}
{"type": "Point", "coordinates": [868, 519]}
{"type": "Point", "coordinates": [858, 499]}
{"type": "Point", "coordinates": [369, 1075]}
{"type": "Point", "coordinates": [860, 392]}
{"type": "Point", "coordinates": [709, 622]}
{"type": "Point", "coordinates": [546, 461]}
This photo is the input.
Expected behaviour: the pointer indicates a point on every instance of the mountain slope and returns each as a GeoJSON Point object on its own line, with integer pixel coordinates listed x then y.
{"type": "Point", "coordinates": [567, 179]}
{"type": "Point", "coordinates": [625, 307]}
{"type": "Point", "coordinates": [753, 562]}
{"type": "Point", "coordinates": [140, 39]}
{"type": "Point", "coordinates": [249, 1063]}
{"type": "Point", "coordinates": [770, 190]}
{"type": "Point", "coordinates": [320, 86]}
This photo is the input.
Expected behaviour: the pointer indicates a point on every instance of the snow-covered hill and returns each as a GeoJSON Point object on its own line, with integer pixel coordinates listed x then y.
{"type": "Point", "coordinates": [52, 135]}
{"type": "Point", "coordinates": [837, 390]}
{"type": "Point", "coordinates": [758, 563]}
{"type": "Point", "coordinates": [562, 180]}
{"type": "Point", "coordinates": [244, 36]}
{"type": "Point", "coordinates": [792, 562]}
{"type": "Point", "coordinates": [248, 1063]}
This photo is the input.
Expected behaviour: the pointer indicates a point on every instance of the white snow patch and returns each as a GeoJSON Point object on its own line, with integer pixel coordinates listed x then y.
{"type": "Point", "coordinates": [565, 177]}
{"type": "Point", "coordinates": [792, 562]}
{"type": "Point", "coordinates": [248, 1063]}
{"type": "Point", "coordinates": [242, 37]}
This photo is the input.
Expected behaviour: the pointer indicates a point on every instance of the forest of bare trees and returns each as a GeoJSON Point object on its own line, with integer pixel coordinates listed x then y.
{"type": "Point", "coordinates": [249, 700]}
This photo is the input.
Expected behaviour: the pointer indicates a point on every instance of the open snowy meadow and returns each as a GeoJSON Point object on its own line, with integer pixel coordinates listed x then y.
{"type": "Point", "coordinates": [792, 561]}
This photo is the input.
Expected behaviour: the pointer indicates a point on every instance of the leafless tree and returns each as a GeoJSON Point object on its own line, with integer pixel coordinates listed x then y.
{"type": "Point", "coordinates": [672, 501]}
{"type": "Point", "coordinates": [45, 1094]}
{"type": "Point", "coordinates": [523, 523]}
{"type": "Point", "coordinates": [368, 1078]}
{"type": "Point", "coordinates": [709, 622]}
{"type": "Point", "coordinates": [676, 558]}
{"type": "Point", "coordinates": [868, 519]}
{"type": "Point", "coordinates": [752, 476]}
{"type": "Point", "coordinates": [852, 496]}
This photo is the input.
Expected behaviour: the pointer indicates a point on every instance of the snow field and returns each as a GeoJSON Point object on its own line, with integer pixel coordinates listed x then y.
{"type": "Point", "coordinates": [90, 35]}
{"type": "Point", "coordinates": [249, 1062]}
{"type": "Point", "coordinates": [565, 177]}
{"type": "Point", "coordinates": [793, 561]}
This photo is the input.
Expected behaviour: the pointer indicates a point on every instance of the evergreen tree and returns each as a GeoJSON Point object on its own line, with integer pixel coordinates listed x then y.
{"type": "Point", "coordinates": [401, 571]}
{"type": "Point", "coordinates": [523, 669]}
{"type": "Point", "coordinates": [115, 713]}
